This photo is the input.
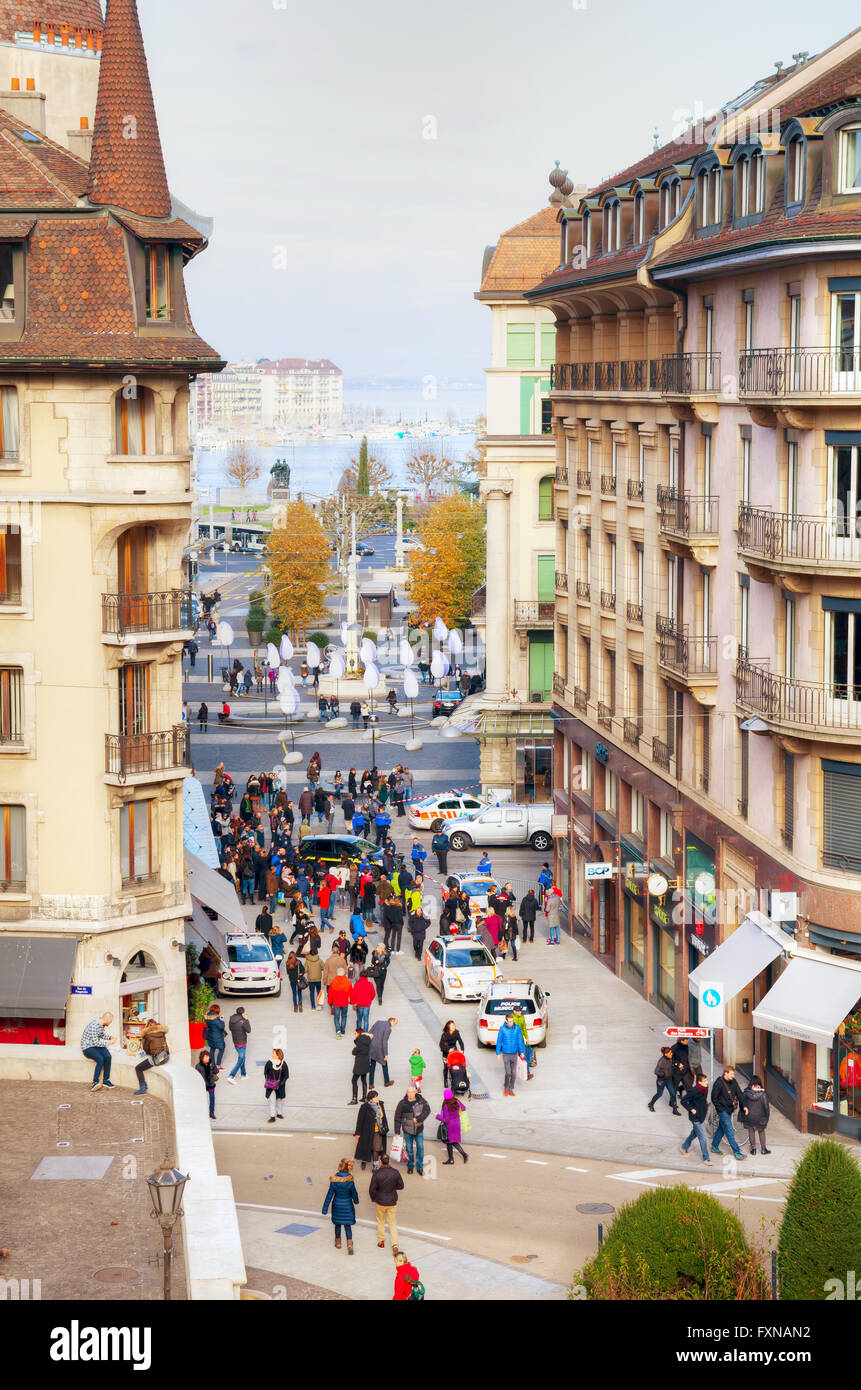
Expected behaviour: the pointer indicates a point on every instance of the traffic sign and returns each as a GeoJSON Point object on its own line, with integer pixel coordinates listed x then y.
{"type": "Point", "coordinates": [599, 870]}
{"type": "Point", "coordinates": [712, 1004]}
{"type": "Point", "coordinates": [687, 1032]}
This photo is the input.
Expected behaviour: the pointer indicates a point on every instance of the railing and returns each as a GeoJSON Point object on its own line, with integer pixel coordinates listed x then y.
{"type": "Point", "coordinates": [663, 624]}
{"type": "Point", "coordinates": [558, 684]}
{"type": "Point", "coordinates": [784, 700]}
{"type": "Point", "coordinates": [608, 601]}
{"type": "Point", "coordinates": [605, 376]}
{"type": "Point", "coordinates": [634, 612]}
{"type": "Point", "coordinates": [632, 730]}
{"type": "Point", "coordinates": [562, 474]}
{"type": "Point", "coordinates": [636, 489]}
{"type": "Point", "coordinates": [580, 698]}
{"type": "Point", "coordinates": [781, 535]}
{"type": "Point", "coordinates": [661, 753]}
{"type": "Point", "coordinates": [532, 611]}
{"type": "Point", "coordinates": [167, 611]}
{"type": "Point", "coordinates": [608, 484]}
{"type": "Point", "coordinates": [570, 376]}
{"type": "Point", "coordinates": [605, 715]}
{"type": "Point", "coordinates": [562, 580]}
{"type": "Point", "coordinates": [685, 515]}
{"type": "Point", "coordinates": [632, 374]}
{"type": "Point", "coordinates": [127, 754]}
{"type": "Point", "coordinates": [584, 588]}
{"type": "Point", "coordinates": [799, 371]}
{"type": "Point", "coordinates": [688, 373]}
{"type": "Point", "coordinates": [584, 478]}
{"type": "Point", "coordinates": [689, 656]}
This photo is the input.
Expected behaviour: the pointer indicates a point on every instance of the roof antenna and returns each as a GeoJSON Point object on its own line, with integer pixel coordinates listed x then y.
{"type": "Point", "coordinates": [655, 137]}
{"type": "Point", "coordinates": [800, 58]}
{"type": "Point", "coordinates": [778, 65]}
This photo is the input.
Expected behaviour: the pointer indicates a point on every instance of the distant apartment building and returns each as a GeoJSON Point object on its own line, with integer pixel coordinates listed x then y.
{"type": "Point", "coordinates": [288, 393]}
{"type": "Point", "coordinates": [707, 417]}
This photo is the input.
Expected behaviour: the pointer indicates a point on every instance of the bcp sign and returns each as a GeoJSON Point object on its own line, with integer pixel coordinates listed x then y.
{"type": "Point", "coordinates": [598, 870]}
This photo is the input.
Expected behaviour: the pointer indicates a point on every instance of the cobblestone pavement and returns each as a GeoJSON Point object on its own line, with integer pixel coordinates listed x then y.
{"type": "Point", "coordinates": [82, 1238]}
{"type": "Point", "coordinates": [284, 1286]}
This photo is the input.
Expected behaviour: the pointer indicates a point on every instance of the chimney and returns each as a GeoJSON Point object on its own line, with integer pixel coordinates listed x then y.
{"type": "Point", "coordinates": [28, 106]}
{"type": "Point", "coordinates": [80, 141]}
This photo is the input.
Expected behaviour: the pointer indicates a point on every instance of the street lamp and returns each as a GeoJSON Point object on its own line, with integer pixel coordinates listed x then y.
{"type": "Point", "coordinates": [166, 1186]}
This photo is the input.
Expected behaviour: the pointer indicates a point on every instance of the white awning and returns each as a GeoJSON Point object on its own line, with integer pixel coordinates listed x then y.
{"type": "Point", "coordinates": [809, 1000]}
{"type": "Point", "coordinates": [197, 834]}
{"type": "Point", "coordinates": [738, 961]}
{"type": "Point", "coordinates": [208, 930]}
{"type": "Point", "coordinates": [209, 888]}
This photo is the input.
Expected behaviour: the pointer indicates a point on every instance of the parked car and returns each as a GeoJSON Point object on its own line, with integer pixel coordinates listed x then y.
{"type": "Point", "coordinates": [364, 549]}
{"type": "Point", "coordinates": [460, 967]}
{"type": "Point", "coordinates": [504, 825]}
{"type": "Point", "coordinates": [430, 812]}
{"type": "Point", "coordinates": [504, 995]}
{"type": "Point", "coordinates": [250, 968]}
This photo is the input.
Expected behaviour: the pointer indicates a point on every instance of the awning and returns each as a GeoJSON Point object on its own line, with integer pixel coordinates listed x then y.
{"type": "Point", "coordinates": [35, 972]}
{"type": "Point", "coordinates": [208, 930]}
{"type": "Point", "coordinates": [197, 833]}
{"type": "Point", "coordinates": [495, 724]}
{"type": "Point", "coordinates": [809, 1000]}
{"type": "Point", "coordinates": [209, 888]}
{"type": "Point", "coordinates": [738, 961]}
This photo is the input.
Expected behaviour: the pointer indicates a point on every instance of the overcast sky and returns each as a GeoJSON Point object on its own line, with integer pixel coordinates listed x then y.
{"type": "Point", "coordinates": [340, 230]}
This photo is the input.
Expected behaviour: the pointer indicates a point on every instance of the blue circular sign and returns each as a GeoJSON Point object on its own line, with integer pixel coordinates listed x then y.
{"type": "Point", "coordinates": [711, 998]}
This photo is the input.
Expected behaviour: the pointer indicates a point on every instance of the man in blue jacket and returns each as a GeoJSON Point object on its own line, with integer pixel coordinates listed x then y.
{"type": "Point", "coordinates": [484, 865]}
{"type": "Point", "coordinates": [382, 821]}
{"type": "Point", "coordinates": [509, 1042]}
{"type": "Point", "coordinates": [418, 854]}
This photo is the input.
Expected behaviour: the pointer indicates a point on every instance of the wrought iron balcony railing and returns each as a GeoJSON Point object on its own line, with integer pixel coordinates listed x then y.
{"type": "Point", "coordinates": [562, 580]}
{"type": "Point", "coordinates": [785, 700]}
{"type": "Point", "coordinates": [789, 536]}
{"type": "Point", "coordinates": [688, 656]}
{"type": "Point", "coordinates": [166, 611]}
{"type": "Point", "coordinates": [127, 754]}
{"type": "Point", "coordinates": [605, 715]}
{"type": "Point", "coordinates": [799, 372]}
{"type": "Point", "coordinates": [581, 698]}
{"type": "Point", "coordinates": [636, 489]}
{"type": "Point", "coordinates": [682, 514]}
{"type": "Point", "coordinates": [661, 753]}
{"type": "Point", "coordinates": [632, 731]}
{"type": "Point", "coordinates": [584, 478]}
{"type": "Point", "coordinates": [584, 588]}
{"type": "Point", "coordinates": [634, 612]}
{"type": "Point", "coordinates": [608, 601]}
{"type": "Point", "coordinates": [562, 474]}
{"type": "Point", "coordinates": [687, 374]}
{"type": "Point", "coordinates": [558, 684]}
{"type": "Point", "coordinates": [608, 484]}
{"type": "Point", "coordinates": [529, 611]}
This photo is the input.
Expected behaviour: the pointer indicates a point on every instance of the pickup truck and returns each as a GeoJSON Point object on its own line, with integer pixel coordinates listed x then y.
{"type": "Point", "coordinates": [503, 825]}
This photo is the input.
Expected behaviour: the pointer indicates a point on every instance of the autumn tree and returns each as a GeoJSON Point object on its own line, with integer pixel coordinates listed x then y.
{"type": "Point", "coordinates": [451, 567]}
{"type": "Point", "coordinates": [336, 515]}
{"type": "Point", "coordinates": [429, 468]}
{"type": "Point", "coordinates": [365, 475]}
{"type": "Point", "coordinates": [243, 467]}
{"type": "Point", "coordinates": [299, 569]}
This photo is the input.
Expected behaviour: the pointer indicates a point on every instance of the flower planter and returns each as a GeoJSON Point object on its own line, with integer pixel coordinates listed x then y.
{"type": "Point", "coordinates": [195, 1035]}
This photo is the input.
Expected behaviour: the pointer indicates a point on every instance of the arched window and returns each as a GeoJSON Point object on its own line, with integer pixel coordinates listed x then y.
{"type": "Point", "coordinates": [587, 234]}
{"type": "Point", "coordinates": [749, 185]}
{"type": "Point", "coordinates": [639, 218]}
{"type": "Point", "coordinates": [709, 199]}
{"type": "Point", "coordinates": [547, 499]}
{"type": "Point", "coordinates": [671, 200]}
{"type": "Point", "coordinates": [795, 170]}
{"type": "Point", "coordinates": [612, 226]}
{"type": "Point", "coordinates": [135, 421]}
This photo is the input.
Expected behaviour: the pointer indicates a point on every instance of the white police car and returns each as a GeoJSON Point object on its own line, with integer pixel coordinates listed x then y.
{"type": "Point", "coordinates": [460, 967]}
{"type": "Point", "coordinates": [429, 812]}
{"type": "Point", "coordinates": [504, 996]}
{"type": "Point", "coordinates": [250, 968]}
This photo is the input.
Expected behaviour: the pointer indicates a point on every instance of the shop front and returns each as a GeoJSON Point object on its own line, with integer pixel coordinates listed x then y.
{"type": "Point", "coordinates": [141, 995]}
{"type": "Point", "coordinates": [35, 979]}
{"type": "Point", "coordinates": [634, 920]}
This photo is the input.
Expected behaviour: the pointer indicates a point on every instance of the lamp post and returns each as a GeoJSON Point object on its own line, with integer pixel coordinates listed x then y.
{"type": "Point", "coordinates": [166, 1186]}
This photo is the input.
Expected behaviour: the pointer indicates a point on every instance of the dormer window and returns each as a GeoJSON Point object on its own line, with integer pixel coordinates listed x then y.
{"type": "Point", "coordinates": [795, 171]}
{"type": "Point", "coordinates": [639, 219]}
{"type": "Point", "coordinates": [709, 201]}
{"type": "Point", "coordinates": [671, 201]}
{"type": "Point", "coordinates": [612, 226]}
{"type": "Point", "coordinates": [7, 285]}
{"type": "Point", "coordinates": [158, 282]}
{"type": "Point", "coordinates": [587, 234]}
{"type": "Point", "coordinates": [749, 186]}
{"type": "Point", "coordinates": [849, 157]}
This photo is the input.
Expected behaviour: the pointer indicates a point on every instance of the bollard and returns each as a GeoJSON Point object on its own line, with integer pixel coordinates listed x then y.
{"type": "Point", "coordinates": [600, 1234]}
{"type": "Point", "coordinates": [209, 660]}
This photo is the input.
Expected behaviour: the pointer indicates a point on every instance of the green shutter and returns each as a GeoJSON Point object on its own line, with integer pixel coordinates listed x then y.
{"type": "Point", "coordinates": [527, 404]}
{"type": "Point", "coordinates": [548, 344]}
{"type": "Point", "coordinates": [546, 578]}
{"type": "Point", "coordinates": [541, 664]}
{"type": "Point", "coordinates": [520, 344]}
{"type": "Point", "coordinates": [546, 507]}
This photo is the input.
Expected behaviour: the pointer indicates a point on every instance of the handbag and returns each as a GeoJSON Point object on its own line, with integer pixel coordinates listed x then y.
{"type": "Point", "coordinates": [397, 1149]}
{"type": "Point", "coordinates": [161, 1057]}
{"type": "Point", "coordinates": [442, 1132]}
{"type": "Point", "coordinates": [521, 1069]}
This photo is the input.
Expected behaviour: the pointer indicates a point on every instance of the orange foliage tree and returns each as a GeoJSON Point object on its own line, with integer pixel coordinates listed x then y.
{"type": "Point", "coordinates": [299, 569]}
{"type": "Point", "coordinates": [446, 574]}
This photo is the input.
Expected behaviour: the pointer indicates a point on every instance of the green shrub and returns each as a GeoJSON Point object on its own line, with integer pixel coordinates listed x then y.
{"type": "Point", "coordinates": [273, 634]}
{"type": "Point", "coordinates": [198, 1005]}
{"type": "Point", "coordinates": [674, 1243]}
{"type": "Point", "coordinates": [820, 1237]}
{"type": "Point", "coordinates": [371, 633]}
{"type": "Point", "coordinates": [192, 956]}
{"type": "Point", "coordinates": [320, 638]}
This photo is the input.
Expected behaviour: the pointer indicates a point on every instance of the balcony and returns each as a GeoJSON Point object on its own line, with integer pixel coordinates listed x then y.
{"type": "Point", "coordinates": [608, 601]}
{"type": "Point", "coordinates": [608, 484]}
{"type": "Point", "coordinates": [686, 374]}
{"type": "Point", "coordinates": [580, 698]}
{"type": "Point", "coordinates": [149, 617]}
{"type": "Point", "coordinates": [584, 589]}
{"type": "Point", "coordinates": [562, 581]}
{"type": "Point", "coordinates": [632, 374]}
{"type": "Point", "coordinates": [692, 661]}
{"type": "Point", "coordinates": [800, 375]}
{"type": "Point", "coordinates": [632, 730]}
{"type": "Point", "coordinates": [584, 479]}
{"type": "Point", "coordinates": [558, 684]}
{"type": "Point", "coordinates": [561, 475]}
{"type": "Point", "coordinates": [777, 542]}
{"type": "Point", "coordinates": [531, 613]}
{"type": "Point", "coordinates": [661, 754]}
{"type": "Point", "coordinates": [147, 757]}
{"type": "Point", "coordinates": [809, 709]}
{"type": "Point", "coordinates": [636, 489]}
{"type": "Point", "coordinates": [689, 523]}
{"type": "Point", "coordinates": [605, 716]}
{"type": "Point", "coordinates": [634, 613]}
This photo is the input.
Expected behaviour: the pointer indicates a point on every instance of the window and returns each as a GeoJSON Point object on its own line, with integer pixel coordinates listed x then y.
{"type": "Point", "coordinates": [709, 185]}
{"type": "Point", "coordinates": [135, 422]}
{"type": "Point", "coordinates": [746, 446]}
{"type": "Point", "coordinates": [748, 311]}
{"type": "Point", "coordinates": [587, 234]}
{"type": "Point", "coordinates": [744, 787]}
{"type": "Point", "coordinates": [638, 812]}
{"type": "Point", "coordinates": [849, 160]}
{"type": "Point", "coordinates": [639, 219]}
{"type": "Point", "coordinates": [841, 848]}
{"type": "Point", "coordinates": [134, 691]}
{"type": "Point", "coordinates": [792, 477]}
{"type": "Point", "coordinates": [611, 564]}
{"type": "Point", "coordinates": [744, 622]}
{"type": "Point", "coordinates": [13, 848]}
{"type": "Point", "coordinates": [548, 344]}
{"type": "Point", "coordinates": [157, 282]}
{"type": "Point", "coordinates": [136, 840]}
{"type": "Point", "coordinates": [612, 226]}
{"type": "Point", "coordinates": [585, 770]}
{"type": "Point", "coordinates": [546, 416]}
{"type": "Point", "coordinates": [789, 637]}
{"type": "Point", "coordinates": [609, 790]}
{"type": "Point", "coordinates": [788, 799]}
{"type": "Point", "coordinates": [795, 170]}
{"type": "Point", "coordinates": [671, 201]}
{"type": "Point", "coordinates": [586, 664]}
{"type": "Point", "coordinates": [11, 704]}
{"type": "Point", "coordinates": [547, 499]}
{"type": "Point", "coordinates": [641, 464]}
{"type": "Point", "coordinates": [610, 677]}
{"type": "Point", "coordinates": [7, 284]}
{"type": "Point", "coordinates": [666, 835]}
{"type": "Point", "coordinates": [844, 655]}
{"type": "Point", "coordinates": [520, 345]}
{"type": "Point", "coordinates": [8, 422]}
{"type": "Point", "coordinates": [10, 564]}
{"type": "Point", "coordinates": [749, 186]}
{"type": "Point", "coordinates": [638, 572]}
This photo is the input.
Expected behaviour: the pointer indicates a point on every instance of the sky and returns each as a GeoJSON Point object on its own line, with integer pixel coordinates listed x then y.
{"type": "Point", "coordinates": [341, 229]}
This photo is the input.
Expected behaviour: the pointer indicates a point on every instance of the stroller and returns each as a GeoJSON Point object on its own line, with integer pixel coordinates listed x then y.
{"type": "Point", "coordinates": [458, 1077]}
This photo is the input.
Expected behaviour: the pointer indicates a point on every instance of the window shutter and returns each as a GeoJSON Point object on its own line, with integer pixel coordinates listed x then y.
{"type": "Point", "coordinates": [788, 799]}
{"type": "Point", "coordinates": [840, 844]}
{"type": "Point", "coordinates": [520, 344]}
{"type": "Point", "coordinates": [548, 344]}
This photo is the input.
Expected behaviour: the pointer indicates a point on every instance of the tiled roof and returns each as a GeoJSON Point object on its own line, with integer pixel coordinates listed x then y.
{"type": "Point", "coordinates": [774, 227]}
{"type": "Point", "coordinates": [676, 152]}
{"type": "Point", "coordinates": [833, 86]}
{"type": "Point", "coordinates": [127, 165]}
{"type": "Point", "coordinates": [79, 301]}
{"type": "Point", "coordinates": [297, 364]}
{"type": "Point", "coordinates": [35, 172]}
{"type": "Point", "coordinates": [523, 255]}
{"type": "Point", "coordinates": [21, 15]}
{"type": "Point", "coordinates": [153, 230]}
{"type": "Point", "coordinates": [16, 228]}
{"type": "Point", "coordinates": [603, 268]}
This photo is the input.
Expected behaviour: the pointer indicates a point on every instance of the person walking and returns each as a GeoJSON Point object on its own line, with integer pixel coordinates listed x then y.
{"type": "Point", "coordinates": [386, 1183]}
{"type": "Point", "coordinates": [418, 855]}
{"type": "Point", "coordinates": [362, 996]}
{"type": "Point", "coordinates": [154, 1044]}
{"type": "Point", "coordinates": [450, 1039]}
{"type": "Point", "coordinates": [361, 1064]}
{"type": "Point", "coordinates": [683, 1069]}
{"type": "Point", "coordinates": [408, 1286]}
{"type": "Point", "coordinates": [332, 965]}
{"type": "Point", "coordinates": [449, 1118]}
{"type": "Point", "coordinates": [509, 1043]}
{"type": "Point", "coordinates": [339, 998]}
{"type": "Point", "coordinates": [239, 1031]}
{"type": "Point", "coordinates": [418, 929]}
{"type": "Point", "coordinates": [381, 1033]}
{"type": "Point", "coordinates": [410, 1115]}
{"type": "Point", "coordinates": [757, 1114]}
{"type": "Point", "coordinates": [519, 1020]}
{"type": "Point", "coordinates": [327, 907]}
{"type": "Point", "coordinates": [215, 1034]}
{"type": "Point", "coordinates": [664, 1074]}
{"type": "Point", "coordinates": [382, 823]}
{"type": "Point", "coordinates": [295, 973]}
{"type": "Point", "coordinates": [203, 718]}
{"type": "Point", "coordinates": [314, 971]}
{"type": "Point", "coordinates": [696, 1102]}
{"type": "Point", "coordinates": [94, 1044]}
{"type": "Point", "coordinates": [508, 931]}
{"type": "Point", "coordinates": [726, 1097]}
{"type": "Point", "coordinates": [441, 844]}
{"type": "Point", "coordinates": [554, 914]}
{"type": "Point", "coordinates": [378, 969]}
{"type": "Point", "coordinates": [417, 1067]}
{"type": "Point", "coordinates": [545, 878]}
{"type": "Point", "coordinates": [393, 925]}
{"type": "Point", "coordinates": [276, 1074]}
{"type": "Point", "coordinates": [343, 1199]}
{"type": "Point", "coordinates": [372, 1128]}
{"type": "Point", "coordinates": [355, 712]}
{"type": "Point", "coordinates": [209, 1071]}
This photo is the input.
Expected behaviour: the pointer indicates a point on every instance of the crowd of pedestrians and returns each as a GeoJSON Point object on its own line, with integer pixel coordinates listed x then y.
{"type": "Point", "coordinates": [678, 1073]}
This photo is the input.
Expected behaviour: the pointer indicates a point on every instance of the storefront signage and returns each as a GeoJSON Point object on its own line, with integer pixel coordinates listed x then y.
{"type": "Point", "coordinates": [686, 1032]}
{"type": "Point", "coordinates": [599, 871]}
{"type": "Point", "coordinates": [712, 1004]}
{"type": "Point", "coordinates": [82, 989]}
{"type": "Point", "coordinates": [698, 944]}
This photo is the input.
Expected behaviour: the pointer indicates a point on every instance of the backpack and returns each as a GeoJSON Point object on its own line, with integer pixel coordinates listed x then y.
{"type": "Point", "coordinates": [417, 1289]}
